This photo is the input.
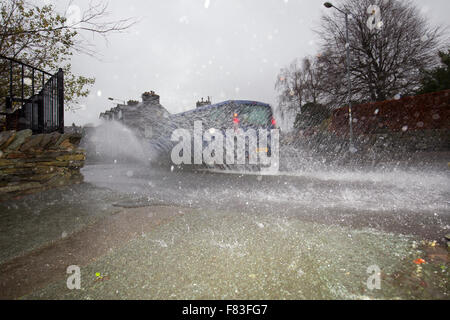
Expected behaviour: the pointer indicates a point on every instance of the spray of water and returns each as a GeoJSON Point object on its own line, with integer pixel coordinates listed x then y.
{"type": "Point", "coordinates": [114, 142]}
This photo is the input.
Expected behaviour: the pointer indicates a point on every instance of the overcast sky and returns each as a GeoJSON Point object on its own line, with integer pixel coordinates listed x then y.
{"type": "Point", "coordinates": [188, 49]}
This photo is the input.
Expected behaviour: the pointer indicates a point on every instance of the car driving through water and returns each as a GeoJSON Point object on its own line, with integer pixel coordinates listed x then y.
{"type": "Point", "coordinates": [253, 121]}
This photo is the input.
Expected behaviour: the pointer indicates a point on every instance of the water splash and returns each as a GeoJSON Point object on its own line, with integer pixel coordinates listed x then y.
{"type": "Point", "coordinates": [114, 142]}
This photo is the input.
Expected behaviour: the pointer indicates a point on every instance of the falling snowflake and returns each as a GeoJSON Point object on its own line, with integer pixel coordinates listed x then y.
{"type": "Point", "coordinates": [27, 81]}
{"type": "Point", "coordinates": [184, 19]}
{"type": "Point", "coordinates": [425, 9]}
{"type": "Point", "coordinates": [73, 15]}
{"type": "Point", "coordinates": [436, 116]}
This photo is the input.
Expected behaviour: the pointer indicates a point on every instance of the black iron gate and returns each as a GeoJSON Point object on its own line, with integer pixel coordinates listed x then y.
{"type": "Point", "coordinates": [31, 98]}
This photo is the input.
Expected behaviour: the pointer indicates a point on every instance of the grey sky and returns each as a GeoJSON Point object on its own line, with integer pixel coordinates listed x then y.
{"type": "Point", "coordinates": [188, 49]}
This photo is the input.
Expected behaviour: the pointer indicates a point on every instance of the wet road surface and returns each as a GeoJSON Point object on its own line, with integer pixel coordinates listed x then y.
{"type": "Point", "coordinates": [297, 235]}
{"type": "Point", "coordinates": [402, 201]}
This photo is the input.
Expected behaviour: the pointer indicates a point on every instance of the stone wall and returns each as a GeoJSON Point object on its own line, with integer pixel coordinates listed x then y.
{"type": "Point", "coordinates": [393, 129]}
{"type": "Point", "coordinates": [382, 144]}
{"type": "Point", "coordinates": [31, 163]}
{"type": "Point", "coordinates": [423, 112]}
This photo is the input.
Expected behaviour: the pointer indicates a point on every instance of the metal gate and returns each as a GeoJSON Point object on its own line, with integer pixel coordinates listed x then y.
{"type": "Point", "coordinates": [34, 99]}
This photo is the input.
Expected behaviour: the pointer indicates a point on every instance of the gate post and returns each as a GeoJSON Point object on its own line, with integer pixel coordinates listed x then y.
{"type": "Point", "coordinates": [60, 85]}
{"type": "Point", "coordinates": [40, 103]}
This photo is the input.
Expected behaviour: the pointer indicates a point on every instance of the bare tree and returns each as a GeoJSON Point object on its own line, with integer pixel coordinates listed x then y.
{"type": "Point", "coordinates": [291, 86]}
{"type": "Point", "coordinates": [315, 79]}
{"type": "Point", "coordinates": [386, 60]}
{"type": "Point", "coordinates": [299, 84]}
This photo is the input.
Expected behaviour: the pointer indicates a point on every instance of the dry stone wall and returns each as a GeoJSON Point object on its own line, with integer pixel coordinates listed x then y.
{"type": "Point", "coordinates": [32, 163]}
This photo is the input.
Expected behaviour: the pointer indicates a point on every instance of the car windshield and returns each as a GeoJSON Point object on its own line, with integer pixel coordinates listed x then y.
{"type": "Point", "coordinates": [248, 115]}
{"type": "Point", "coordinates": [254, 115]}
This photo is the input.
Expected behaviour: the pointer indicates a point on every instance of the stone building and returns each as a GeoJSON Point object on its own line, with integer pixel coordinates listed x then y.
{"type": "Point", "coordinates": [202, 103]}
{"type": "Point", "coordinates": [147, 118]}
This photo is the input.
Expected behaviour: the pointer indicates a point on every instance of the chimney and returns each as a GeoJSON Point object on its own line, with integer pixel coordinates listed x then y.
{"type": "Point", "coordinates": [150, 97]}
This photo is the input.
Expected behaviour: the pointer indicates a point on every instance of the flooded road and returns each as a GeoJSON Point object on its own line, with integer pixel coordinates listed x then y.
{"type": "Point", "coordinates": [296, 235]}
{"type": "Point", "coordinates": [410, 202]}
{"type": "Point", "coordinates": [227, 255]}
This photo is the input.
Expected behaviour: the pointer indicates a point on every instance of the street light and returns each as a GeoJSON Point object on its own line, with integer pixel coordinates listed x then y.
{"type": "Point", "coordinates": [347, 46]}
{"type": "Point", "coordinates": [119, 100]}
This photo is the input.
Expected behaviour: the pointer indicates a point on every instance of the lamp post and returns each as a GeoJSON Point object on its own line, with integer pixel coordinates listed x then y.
{"type": "Point", "coordinates": [347, 46]}
{"type": "Point", "coordinates": [119, 100]}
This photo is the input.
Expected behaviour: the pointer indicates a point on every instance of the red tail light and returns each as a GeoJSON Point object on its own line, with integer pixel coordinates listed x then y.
{"type": "Point", "coordinates": [274, 123]}
{"type": "Point", "coordinates": [235, 118]}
